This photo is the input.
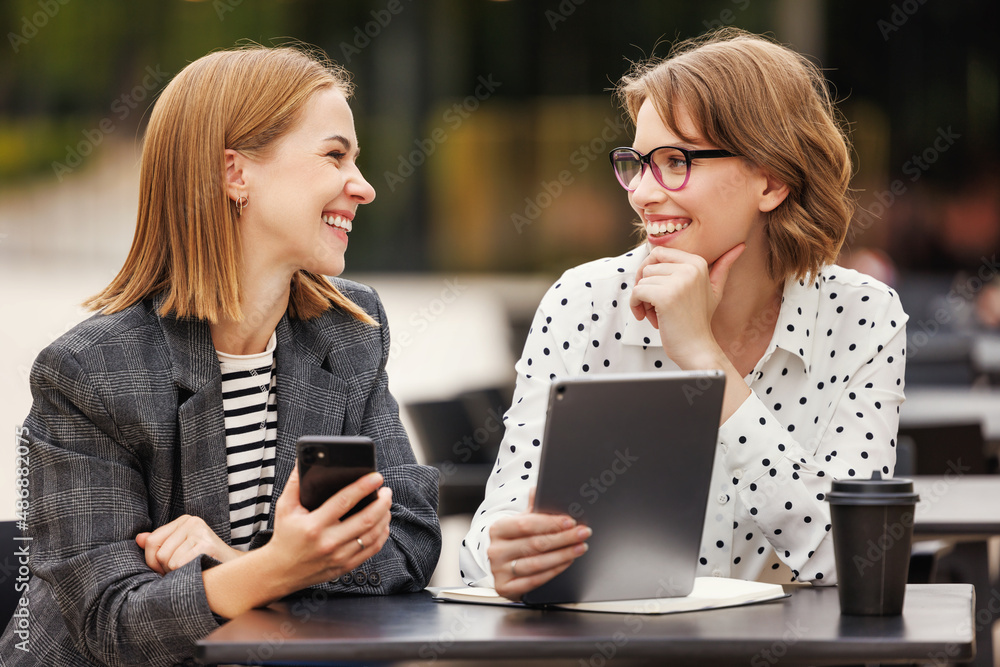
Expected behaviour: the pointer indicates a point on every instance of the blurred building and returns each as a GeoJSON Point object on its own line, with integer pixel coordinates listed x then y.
{"type": "Point", "coordinates": [486, 124]}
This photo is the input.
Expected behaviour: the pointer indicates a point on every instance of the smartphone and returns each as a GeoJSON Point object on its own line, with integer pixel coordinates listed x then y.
{"type": "Point", "coordinates": [328, 463]}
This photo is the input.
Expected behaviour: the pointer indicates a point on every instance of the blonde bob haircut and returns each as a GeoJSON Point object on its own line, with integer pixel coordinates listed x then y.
{"type": "Point", "coordinates": [187, 236]}
{"type": "Point", "coordinates": [771, 106]}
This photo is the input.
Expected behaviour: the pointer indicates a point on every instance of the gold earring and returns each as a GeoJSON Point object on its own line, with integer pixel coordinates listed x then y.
{"type": "Point", "coordinates": [241, 203]}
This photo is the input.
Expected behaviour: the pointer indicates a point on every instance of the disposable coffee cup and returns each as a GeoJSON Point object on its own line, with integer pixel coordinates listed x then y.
{"type": "Point", "coordinates": [872, 523]}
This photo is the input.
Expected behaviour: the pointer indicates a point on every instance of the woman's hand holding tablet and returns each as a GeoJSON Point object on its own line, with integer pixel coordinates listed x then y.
{"type": "Point", "coordinates": [529, 549]}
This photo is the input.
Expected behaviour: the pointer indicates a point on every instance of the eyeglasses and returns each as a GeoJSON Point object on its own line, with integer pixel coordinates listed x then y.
{"type": "Point", "coordinates": [671, 165]}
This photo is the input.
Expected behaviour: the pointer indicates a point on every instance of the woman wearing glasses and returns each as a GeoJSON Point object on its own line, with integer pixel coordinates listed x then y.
{"type": "Point", "coordinates": [739, 174]}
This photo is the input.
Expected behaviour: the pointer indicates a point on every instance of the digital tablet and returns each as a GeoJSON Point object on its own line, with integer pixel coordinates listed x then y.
{"type": "Point", "coordinates": [631, 456]}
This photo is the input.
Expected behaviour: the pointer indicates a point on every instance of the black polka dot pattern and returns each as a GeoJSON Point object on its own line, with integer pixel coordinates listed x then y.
{"type": "Point", "coordinates": [824, 406]}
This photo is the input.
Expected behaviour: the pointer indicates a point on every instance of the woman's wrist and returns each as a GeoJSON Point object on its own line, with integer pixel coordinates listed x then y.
{"type": "Point", "coordinates": [710, 358]}
{"type": "Point", "coordinates": [280, 573]}
{"type": "Point", "coordinates": [226, 589]}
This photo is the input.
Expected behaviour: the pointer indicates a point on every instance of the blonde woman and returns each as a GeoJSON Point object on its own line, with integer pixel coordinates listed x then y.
{"type": "Point", "coordinates": [164, 495]}
{"type": "Point", "coordinates": [739, 174]}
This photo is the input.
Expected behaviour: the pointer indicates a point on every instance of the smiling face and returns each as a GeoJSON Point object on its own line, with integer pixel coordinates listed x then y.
{"type": "Point", "coordinates": [720, 207]}
{"type": "Point", "coordinates": [304, 194]}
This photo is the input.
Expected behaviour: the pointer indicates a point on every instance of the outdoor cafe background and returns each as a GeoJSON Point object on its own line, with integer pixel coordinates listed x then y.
{"type": "Point", "coordinates": [485, 127]}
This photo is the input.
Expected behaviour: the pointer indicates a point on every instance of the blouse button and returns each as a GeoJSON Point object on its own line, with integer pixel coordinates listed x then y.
{"type": "Point", "coordinates": [716, 572]}
{"type": "Point", "coordinates": [738, 474]}
{"type": "Point", "coordinates": [723, 498]}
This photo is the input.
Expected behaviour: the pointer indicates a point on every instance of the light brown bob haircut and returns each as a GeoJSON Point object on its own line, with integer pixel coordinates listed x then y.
{"type": "Point", "coordinates": [187, 236]}
{"type": "Point", "coordinates": [771, 106]}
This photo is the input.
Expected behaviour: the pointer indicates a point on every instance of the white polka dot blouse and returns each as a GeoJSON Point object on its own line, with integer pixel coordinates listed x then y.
{"type": "Point", "coordinates": [824, 406]}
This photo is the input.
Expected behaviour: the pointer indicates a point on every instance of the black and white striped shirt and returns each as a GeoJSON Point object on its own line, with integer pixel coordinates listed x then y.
{"type": "Point", "coordinates": [251, 418]}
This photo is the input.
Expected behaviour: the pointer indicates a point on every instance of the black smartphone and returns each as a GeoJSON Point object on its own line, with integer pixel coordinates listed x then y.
{"type": "Point", "coordinates": [328, 463]}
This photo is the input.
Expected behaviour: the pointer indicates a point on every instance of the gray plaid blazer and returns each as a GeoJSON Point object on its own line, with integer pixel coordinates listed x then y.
{"type": "Point", "coordinates": [126, 433]}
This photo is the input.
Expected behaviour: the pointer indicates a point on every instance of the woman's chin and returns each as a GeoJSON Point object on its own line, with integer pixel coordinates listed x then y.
{"type": "Point", "coordinates": [331, 268]}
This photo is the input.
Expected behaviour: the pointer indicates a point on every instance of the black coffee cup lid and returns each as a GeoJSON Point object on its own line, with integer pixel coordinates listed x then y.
{"type": "Point", "coordinates": [874, 491]}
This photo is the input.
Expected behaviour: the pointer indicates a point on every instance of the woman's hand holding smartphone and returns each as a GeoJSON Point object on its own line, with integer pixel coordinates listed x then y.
{"type": "Point", "coordinates": [307, 548]}
{"type": "Point", "coordinates": [326, 464]}
{"type": "Point", "coordinates": [350, 522]}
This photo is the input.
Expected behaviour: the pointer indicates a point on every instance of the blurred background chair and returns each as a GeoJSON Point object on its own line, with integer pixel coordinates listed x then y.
{"type": "Point", "coordinates": [938, 349]}
{"type": "Point", "coordinates": [943, 448]}
{"type": "Point", "coordinates": [939, 450]}
{"type": "Point", "coordinates": [460, 437]}
{"type": "Point", "coordinates": [954, 449]}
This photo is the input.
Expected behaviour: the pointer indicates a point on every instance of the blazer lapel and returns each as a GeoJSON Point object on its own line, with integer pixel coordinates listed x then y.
{"type": "Point", "coordinates": [311, 398]}
{"type": "Point", "coordinates": [203, 477]}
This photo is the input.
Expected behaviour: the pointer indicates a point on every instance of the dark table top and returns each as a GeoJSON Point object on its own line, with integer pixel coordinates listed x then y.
{"type": "Point", "coordinates": [806, 628]}
{"type": "Point", "coordinates": [957, 505]}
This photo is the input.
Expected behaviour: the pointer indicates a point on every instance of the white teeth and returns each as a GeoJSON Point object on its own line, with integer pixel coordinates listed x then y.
{"type": "Point", "coordinates": [657, 228]}
{"type": "Point", "coordinates": [338, 221]}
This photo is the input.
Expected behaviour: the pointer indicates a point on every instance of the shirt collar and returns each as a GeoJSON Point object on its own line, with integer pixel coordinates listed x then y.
{"type": "Point", "coordinates": [795, 331]}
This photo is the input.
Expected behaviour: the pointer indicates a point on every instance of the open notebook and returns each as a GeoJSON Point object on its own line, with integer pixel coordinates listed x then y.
{"type": "Point", "coordinates": [708, 593]}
